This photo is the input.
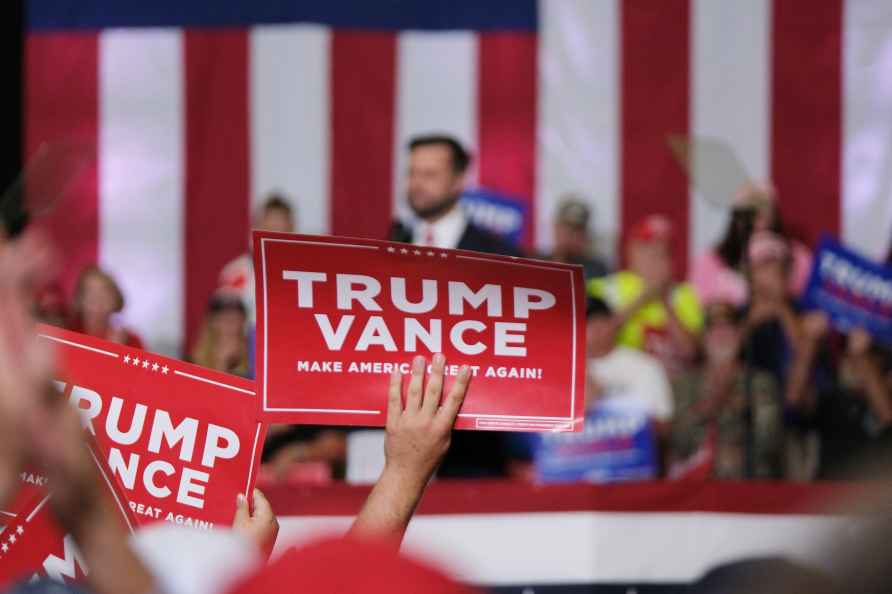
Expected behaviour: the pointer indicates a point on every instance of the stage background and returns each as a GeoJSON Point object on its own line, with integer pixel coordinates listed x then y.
{"type": "Point", "coordinates": [195, 110]}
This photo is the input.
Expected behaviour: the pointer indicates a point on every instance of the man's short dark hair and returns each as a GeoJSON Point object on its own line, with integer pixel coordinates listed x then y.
{"type": "Point", "coordinates": [276, 201]}
{"type": "Point", "coordinates": [460, 157]}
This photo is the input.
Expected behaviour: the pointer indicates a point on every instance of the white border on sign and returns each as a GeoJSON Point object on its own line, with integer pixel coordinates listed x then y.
{"type": "Point", "coordinates": [264, 240]}
{"type": "Point", "coordinates": [253, 458]}
{"type": "Point", "coordinates": [210, 381]}
{"type": "Point", "coordinates": [37, 508]}
{"type": "Point", "coordinates": [79, 346]}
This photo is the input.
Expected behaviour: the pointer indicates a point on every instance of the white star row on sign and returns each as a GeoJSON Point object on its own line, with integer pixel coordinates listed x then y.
{"type": "Point", "coordinates": [145, 364]}
{"type": "Point", "coordinates": [404, 251]}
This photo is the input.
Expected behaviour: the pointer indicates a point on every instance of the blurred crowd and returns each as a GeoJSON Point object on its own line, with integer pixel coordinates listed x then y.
{"type": "Point", "coordinates": [723, 373]}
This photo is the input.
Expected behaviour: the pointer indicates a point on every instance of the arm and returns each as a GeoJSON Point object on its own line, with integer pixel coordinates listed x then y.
{"type": "Point", "coordinates": [799, 393]}
{"type": "Point", "coordinates": [47, 431]}
{"type": "Point", "coordinates": [866, 367]}
{"type": "Point", "coordinates": [418, 437]}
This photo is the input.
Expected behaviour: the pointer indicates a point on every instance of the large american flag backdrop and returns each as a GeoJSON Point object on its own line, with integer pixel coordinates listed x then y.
{"type": "Point", "coordinates": [197, 109]}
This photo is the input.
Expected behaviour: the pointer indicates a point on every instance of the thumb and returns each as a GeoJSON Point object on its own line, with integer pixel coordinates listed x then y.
{"type": "Point", "coordinates": [242, 513]}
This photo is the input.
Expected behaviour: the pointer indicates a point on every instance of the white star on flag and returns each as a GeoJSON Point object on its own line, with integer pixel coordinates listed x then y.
{"type": "Point", "coordinates": [404, 251]}
{"type": "Point", "coordinates": [391, 249]}
{"type": "Point", "coordinates": [443, 255]}
{"type": "Point", "coordinates": [136, 360]}
{"type": "Point", "coordinates": [126, 359]}
{"type": "Point", "coordinates": [430, 253]}
{"type": "Point", "coordinates": [4, 548]}
{"type": "Point", "coordinates": [164, 370]}
{"type": "Point", "coordinates": [12, 539]}
{"type": "Point", "coordinates": [20, 530]}
{"type": "Point", "coordinates": [145, 364]}
{"type": "Point", "coordinates": [155, 367]}
{"type": "Point", "coordinates": [417, 253]}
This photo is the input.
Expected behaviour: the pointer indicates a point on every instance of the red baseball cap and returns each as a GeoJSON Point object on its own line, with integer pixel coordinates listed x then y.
{"type": "Point", "coordinates": [652, 228]}
{"type": "Point", "coordinates": [347, 566]}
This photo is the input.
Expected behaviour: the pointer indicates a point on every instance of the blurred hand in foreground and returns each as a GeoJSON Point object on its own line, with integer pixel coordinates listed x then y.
{"type": "Point", "coordinates": [256, 522]}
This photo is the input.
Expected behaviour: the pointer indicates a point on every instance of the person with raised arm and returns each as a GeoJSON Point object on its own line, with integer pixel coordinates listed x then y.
{"type": "Point", "coordinates": [37, 427]}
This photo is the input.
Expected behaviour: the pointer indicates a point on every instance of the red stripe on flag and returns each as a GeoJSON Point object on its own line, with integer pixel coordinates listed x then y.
{"type": "Point", "coordinates": [507, 116]}
{"type": "Point", "coordinates": [806, 122]}
{"type": "Point", "coordinates": [655, 83]}
{"type": "Point", "coordinates": [217, 209]}
{"type": "Point", "coordinates": [62, 106]}
{"type": "Point", "coordinates": [363, 99]}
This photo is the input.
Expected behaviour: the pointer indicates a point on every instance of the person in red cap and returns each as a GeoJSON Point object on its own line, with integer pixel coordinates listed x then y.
{"type": "Point", "coordinates": [347, 566]}
{"type": "Point", "coordinates": [655, 314]}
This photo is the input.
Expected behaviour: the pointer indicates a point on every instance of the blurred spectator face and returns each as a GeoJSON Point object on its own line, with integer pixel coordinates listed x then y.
{"type": "Point", "coordinates": [650, 251]}
{"type": "Point", "coordinates": [769, 270]}
{"type": "Point", "coordinates": [229, 323]}
{"type": "Point", "coordinates": [723, 336]}
{"type": "Point", "coordinates": [571, 236]}
{"type": "Point", "coordinates": [277, 220]}
{"type": "Point", "coordinates": [652, 260]}
{"type": "Point", "coordinates": [600, 337]}
{"type": "Point", "coordinates": [433, 181]}
{"type": "Point", "coordinates": [98, 298]}
{"type": "Point", "coordinates": [570, 240]}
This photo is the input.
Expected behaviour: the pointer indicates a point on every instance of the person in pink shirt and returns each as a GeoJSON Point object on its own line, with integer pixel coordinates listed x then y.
{"type": "Point", "coordinates": [718, 274]}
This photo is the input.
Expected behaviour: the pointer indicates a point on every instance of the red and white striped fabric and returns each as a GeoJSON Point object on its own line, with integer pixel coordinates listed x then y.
{"type": "Point", "coordinates": [194, 124]}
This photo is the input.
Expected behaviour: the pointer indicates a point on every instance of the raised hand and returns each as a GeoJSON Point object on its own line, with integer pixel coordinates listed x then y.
{"type": "Point", "coordinates": [260, 526]}
{"type": "Point", "coordinates": [418, 436]}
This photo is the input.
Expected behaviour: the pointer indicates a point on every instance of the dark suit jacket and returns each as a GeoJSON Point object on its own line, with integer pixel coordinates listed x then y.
{"type": "Point", "coordinates": [475, 239]}
{"type": "Point", "coordinates": [472, 454]}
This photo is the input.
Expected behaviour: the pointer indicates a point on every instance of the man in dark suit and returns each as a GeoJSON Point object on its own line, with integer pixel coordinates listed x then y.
{"type": "Point", "coordinates": [435, 182]}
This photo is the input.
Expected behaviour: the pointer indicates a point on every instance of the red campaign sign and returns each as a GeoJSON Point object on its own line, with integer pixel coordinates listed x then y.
{"type": "Point", "coordinates": [33, 544]}
{"type": "Point", "coordinates": [180, 441]}
{"type": "Point", "coordinates": [335, 316]}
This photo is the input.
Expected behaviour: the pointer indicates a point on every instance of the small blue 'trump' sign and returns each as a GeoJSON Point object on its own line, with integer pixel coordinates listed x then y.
{"type": "Point", "coordinates": [854, 291]}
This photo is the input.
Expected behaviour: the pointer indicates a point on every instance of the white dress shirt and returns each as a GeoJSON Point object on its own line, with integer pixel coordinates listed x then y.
{"type": "Point", "coordinates": [630, 373]}
{"type": "Point", "coordinates": [445, 232]}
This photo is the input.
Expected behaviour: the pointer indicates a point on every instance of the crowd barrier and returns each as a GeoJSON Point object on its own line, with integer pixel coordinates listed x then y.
{"type": "Point", "coordinates": [646, 537]}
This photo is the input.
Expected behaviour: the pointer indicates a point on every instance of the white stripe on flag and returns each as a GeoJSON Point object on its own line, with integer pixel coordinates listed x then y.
{"type": "Point", "coordinates": [141, 177]}
{"type": "Point", "coordinates": [436, 92]}
{"type": "Point", "coordinates": [867, 126]}
{"type": "Point", "coordinates": [730, 100]}
{"type": "Point", "coordinates": [578, 136]}
{"type": "Point", "coordinates": [290, 123]}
